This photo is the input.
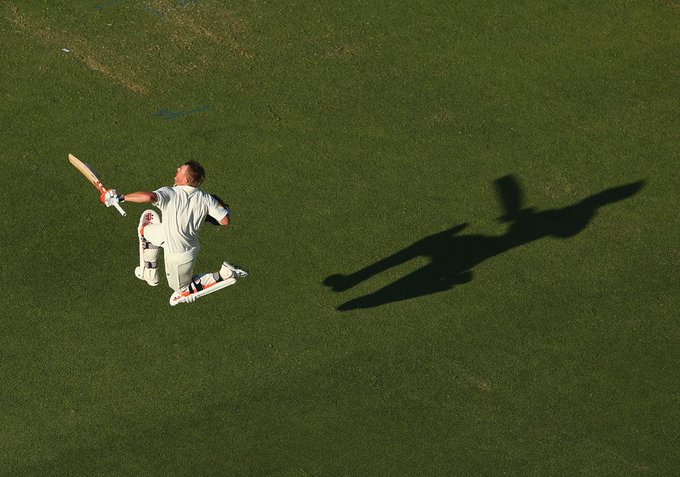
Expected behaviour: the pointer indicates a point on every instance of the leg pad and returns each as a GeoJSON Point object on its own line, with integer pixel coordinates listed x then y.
{"type": "Point", "coordinates": [149, 275]}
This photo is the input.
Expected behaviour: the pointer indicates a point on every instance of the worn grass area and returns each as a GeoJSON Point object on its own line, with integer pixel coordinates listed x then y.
{"type": "Point", "coordinates": [392, 324]}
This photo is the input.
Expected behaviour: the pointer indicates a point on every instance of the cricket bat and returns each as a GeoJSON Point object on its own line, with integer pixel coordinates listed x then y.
{"type": "Point", "coordinates": [91, 176]}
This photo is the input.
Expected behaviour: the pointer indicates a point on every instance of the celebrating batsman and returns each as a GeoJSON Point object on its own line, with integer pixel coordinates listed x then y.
{"type": "Point", "coordinates": [184, 208]}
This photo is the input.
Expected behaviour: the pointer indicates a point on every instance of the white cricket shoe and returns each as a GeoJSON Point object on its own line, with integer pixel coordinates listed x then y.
{"type": "Point", "coordinates": [228, 271]}
{"type": "Point", "coordinates": [190, 297]}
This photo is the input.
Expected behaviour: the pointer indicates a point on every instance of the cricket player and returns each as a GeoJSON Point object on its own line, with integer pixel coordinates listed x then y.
{"type": "Point", "coordinates": [184, 208]}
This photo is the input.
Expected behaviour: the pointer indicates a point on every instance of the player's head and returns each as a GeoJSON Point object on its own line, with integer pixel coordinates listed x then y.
{"type": "Point", "coordinates": [190, 173]}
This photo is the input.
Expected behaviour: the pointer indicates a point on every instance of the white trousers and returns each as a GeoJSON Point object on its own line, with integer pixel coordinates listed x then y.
{"type": "Point", "coordinates": [179, 267]}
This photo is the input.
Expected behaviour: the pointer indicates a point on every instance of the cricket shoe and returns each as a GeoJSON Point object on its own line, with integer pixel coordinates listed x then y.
{"type": "Point", "coordinates": [193, 294]}
{"type": "Point", "coordinates": [148, 252]}
{"type": "Point", "coordinates": [232, 271]}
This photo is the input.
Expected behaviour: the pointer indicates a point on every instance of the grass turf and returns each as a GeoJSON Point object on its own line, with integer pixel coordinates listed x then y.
{"type": "Point", "coordinates": [342, 134]}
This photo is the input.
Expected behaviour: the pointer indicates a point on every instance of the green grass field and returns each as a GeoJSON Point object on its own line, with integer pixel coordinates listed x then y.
{"type": "Point", "coordinates": [353, 140]}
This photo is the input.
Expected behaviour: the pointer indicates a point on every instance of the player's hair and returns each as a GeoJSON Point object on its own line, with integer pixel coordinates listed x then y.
{"type": "Point", "coordinates": [195, 173]}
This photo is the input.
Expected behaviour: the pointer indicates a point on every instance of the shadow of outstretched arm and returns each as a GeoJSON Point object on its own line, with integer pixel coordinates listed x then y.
{"type": "Point", "coordinates": [340, 282]}
{"type": "Point", "coordinates": [613, 194]}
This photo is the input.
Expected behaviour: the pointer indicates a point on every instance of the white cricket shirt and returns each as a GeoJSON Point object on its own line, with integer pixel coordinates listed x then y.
{"type": "Point", "coordinates": [183, 211]}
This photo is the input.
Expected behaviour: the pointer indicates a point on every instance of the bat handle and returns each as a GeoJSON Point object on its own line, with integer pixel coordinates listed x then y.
{"type": "Point", "coordinates": [120, 209]}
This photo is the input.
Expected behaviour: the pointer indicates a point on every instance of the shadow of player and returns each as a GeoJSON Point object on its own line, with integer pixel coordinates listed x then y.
{"type": "Point", "coordinates": [453, 256]}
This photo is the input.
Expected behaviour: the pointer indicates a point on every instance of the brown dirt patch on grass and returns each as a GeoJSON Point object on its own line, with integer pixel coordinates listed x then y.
{"type": "Point", "coordinates": [80, 49]}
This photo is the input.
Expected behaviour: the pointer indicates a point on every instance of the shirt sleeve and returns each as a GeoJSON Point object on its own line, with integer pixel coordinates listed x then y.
{"type": "Point", "coordinates": [216, 210]}
{"type": "Point", "coordinates": [162, 197]}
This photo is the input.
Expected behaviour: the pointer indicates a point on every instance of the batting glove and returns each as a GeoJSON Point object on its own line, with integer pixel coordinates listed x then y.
{"type": "Point", "coordinates": [111, 197]}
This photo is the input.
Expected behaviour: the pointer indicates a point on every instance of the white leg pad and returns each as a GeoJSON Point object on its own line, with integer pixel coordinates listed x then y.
{"type": "Point", "coordinates": [150, 254]}
{"type": "Point", "coordinates": [149, 221]}
{"type": "Point", "coordinates": [207, 279]}
{"type": "Point", "coordinates": [148, 251]}
{"type": "Point", "coordinates": [149, 275]}
{"type": "Point", "coordinates": [187, 297]}
{"type": "Point", "coordinates": [226, 272]}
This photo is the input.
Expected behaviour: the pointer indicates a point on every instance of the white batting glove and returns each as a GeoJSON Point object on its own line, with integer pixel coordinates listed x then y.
{"type": "Point", "coordinates": [111, 197]}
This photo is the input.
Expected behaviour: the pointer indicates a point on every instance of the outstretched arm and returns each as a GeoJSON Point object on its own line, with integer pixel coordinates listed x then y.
{"type": "Point", "coordinates": [111, 197]}
{"type": "Point", "coordinates": [141, 197]}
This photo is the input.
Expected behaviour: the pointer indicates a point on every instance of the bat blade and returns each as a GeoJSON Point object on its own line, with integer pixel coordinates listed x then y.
{"type": "Point", "coordinates": [510, 195]}
{"type": "Point", "coordinates": [91, 175]}
{"type": "Point", "coordinates": [87, 171]}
